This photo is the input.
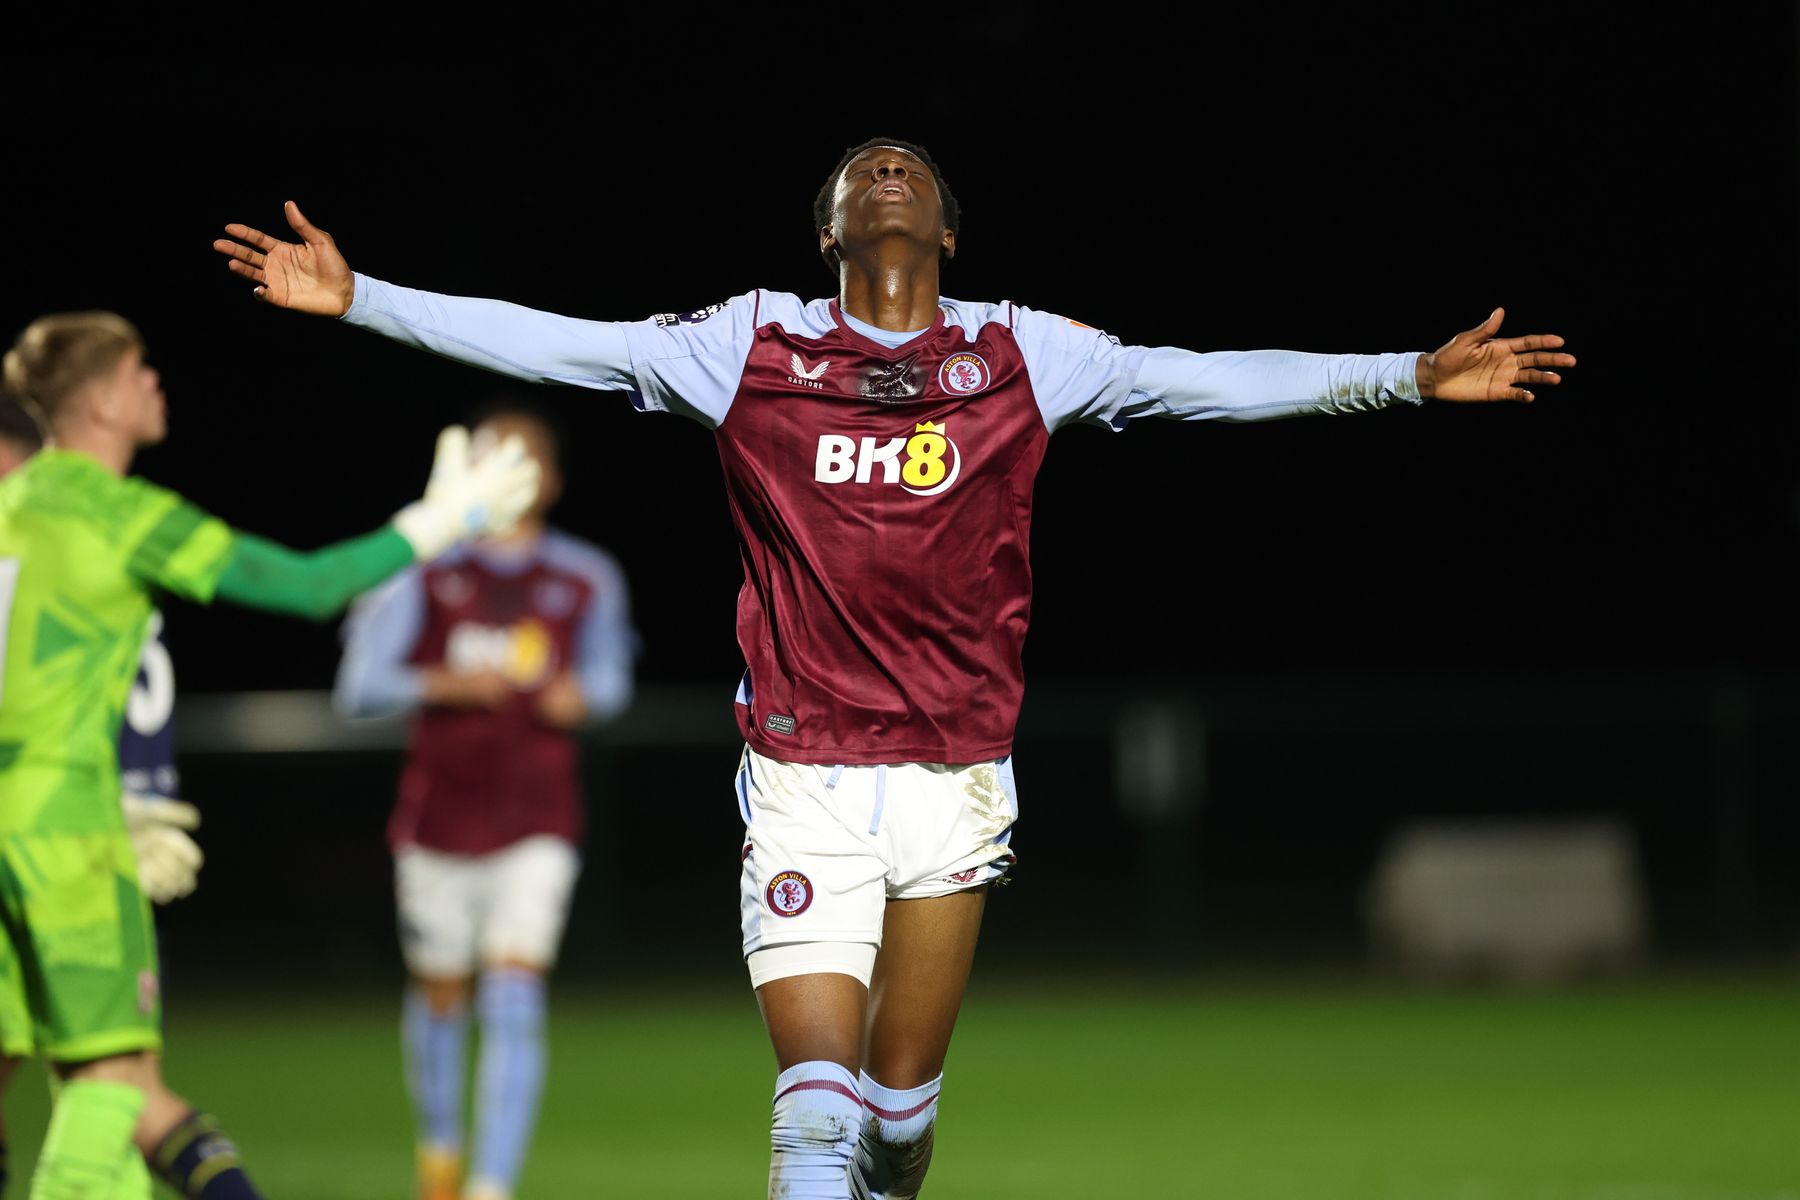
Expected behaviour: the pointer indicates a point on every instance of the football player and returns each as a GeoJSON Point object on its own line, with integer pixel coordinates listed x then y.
{"type": "Point", "coordinates": [879, 448]}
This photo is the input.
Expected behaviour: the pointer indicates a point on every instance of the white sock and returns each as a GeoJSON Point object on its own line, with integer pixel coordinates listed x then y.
{"type": "Point", "coordinates": [818, 1116]}
{"type": "Point", "coordinates": [897, 1135]}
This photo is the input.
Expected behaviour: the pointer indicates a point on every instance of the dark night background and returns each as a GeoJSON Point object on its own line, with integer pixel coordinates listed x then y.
{"type": "Point", "coordinates": [1539, 608]}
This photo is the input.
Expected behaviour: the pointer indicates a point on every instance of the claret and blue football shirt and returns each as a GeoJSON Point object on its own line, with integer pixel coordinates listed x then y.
{"type": "Point", "coordinates": [881, 493]}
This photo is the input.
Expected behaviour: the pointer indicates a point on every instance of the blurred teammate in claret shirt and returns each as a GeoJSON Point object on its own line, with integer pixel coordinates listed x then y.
{"type": "Point", "coordinates": [499, 651]}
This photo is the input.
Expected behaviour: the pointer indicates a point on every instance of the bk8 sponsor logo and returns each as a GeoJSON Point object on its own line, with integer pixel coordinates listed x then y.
{"type": "Point", "coordinates": [524, 652]}
{"type": "Point", "coordinates": [924, 463]}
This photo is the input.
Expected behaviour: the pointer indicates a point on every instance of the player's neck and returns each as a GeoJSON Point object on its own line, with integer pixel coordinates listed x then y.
{"type": "Point", "coordinates": [523, 533]}
{"type": "Point", "coordinates": [893, 291]}
{"type": "Point", "coordinates": [108, 449]}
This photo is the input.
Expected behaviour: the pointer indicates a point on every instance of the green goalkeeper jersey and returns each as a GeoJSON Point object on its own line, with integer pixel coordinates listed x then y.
{"type": "Point", "coordinates": [81, 552]}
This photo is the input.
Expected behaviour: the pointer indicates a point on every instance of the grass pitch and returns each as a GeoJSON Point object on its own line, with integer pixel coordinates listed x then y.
{"type": "Point", "coordinates": [1103, 1087]}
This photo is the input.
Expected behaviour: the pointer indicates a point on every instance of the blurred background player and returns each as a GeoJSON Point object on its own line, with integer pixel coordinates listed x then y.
{"type": "Point", "coordinates": [83, 548]}
{"type": "Point", "coordinates": [499, 648]}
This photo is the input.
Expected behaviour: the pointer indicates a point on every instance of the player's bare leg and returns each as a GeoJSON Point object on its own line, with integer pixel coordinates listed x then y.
{"type": "Point", "coordinates": [921, 973]}
{"type": "Point", "coordinates": [436, 1027]}
{"type": "Point", "coordinates": [510, 1003]}
{"type": "Point", "coordinates": [815, 1018]}
{"type": "Point", "coordinates": [815, 1025]}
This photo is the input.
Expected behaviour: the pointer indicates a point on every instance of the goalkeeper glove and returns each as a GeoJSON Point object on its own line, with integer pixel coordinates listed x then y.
{"type": "Point", "coordinates": [468, 496]}
{"type": "Point", "coordinates": [168, 859]}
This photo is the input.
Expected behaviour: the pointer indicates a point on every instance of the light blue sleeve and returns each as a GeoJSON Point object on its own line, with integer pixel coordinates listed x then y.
{"type": "Point", "coordinates": [691, 363]}
{"type": "Point", "coordinates": [1085, 375]}
{"type": "Point", "coordinates": [607, 643]}
{"type": "Point", "coordinates": [373, 676]}
{"type": "Point", "coordinates": [496, 336]}
{"type": "Point", "coordinates": [685, 363]}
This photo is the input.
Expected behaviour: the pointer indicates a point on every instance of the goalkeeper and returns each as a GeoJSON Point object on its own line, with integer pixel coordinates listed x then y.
{"type": "Point", "coordinates": [167, 857]}
{"type": "Point", "coordinates": [83, 548]}
{"type": "Point", "coordinates": [159, 823]}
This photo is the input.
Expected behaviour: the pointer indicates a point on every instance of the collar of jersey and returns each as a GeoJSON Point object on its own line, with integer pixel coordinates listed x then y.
{"type": "Point", "coordinates": [876, 348]}
{"type": "Point", "coordinates": [503, 560]}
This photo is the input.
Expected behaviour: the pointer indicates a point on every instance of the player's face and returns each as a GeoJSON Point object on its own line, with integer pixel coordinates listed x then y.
{"type": "Point", "coordinates": [887, 192]}
{"type": "Point", "coordinates": [538, 443]}
{"type": "Point", "coordinates": [136, 397]}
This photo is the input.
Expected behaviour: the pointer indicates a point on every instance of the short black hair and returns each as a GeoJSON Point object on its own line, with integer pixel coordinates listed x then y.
{"type": "Point", "coordinates": [823, 201]}
{"type": "Point", "coordinates": [512, 404]}
{"type": "Point", "coordinates": [18, 423]}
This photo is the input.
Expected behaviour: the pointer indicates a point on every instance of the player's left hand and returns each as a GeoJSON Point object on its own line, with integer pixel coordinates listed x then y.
{"type": "Point", "coordinates": [561, 703]}
{"type": "Point", "coordinates": [168, 859]}
{"type": "Point", "coordinates": [1479, 365]}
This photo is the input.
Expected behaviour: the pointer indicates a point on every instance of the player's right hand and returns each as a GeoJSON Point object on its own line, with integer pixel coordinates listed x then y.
{"type": "Point", "coordinates": [308, 276]}
{"type": "Point", "coordinates": [168, 859]}
{"type": "Point", "coordinates": [1479, 365]}
{"type": "Point", "coordinates": [469, 495]}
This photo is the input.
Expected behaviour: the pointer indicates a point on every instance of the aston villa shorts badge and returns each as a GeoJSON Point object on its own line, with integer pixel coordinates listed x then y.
{"type": "Point", "coordinates": [789, 894]}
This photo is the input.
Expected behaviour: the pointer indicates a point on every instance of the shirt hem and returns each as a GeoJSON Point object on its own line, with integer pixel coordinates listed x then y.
{"type": "Point", "coordinates": [477, 848]}
{"type": "Point", "coordinates": [814, 756]}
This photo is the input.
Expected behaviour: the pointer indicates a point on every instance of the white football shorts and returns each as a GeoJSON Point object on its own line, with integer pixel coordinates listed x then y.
{"type": "Point", "coordinates": [461, 912]}
{"type": "Point", "coordinates": [825, 848]}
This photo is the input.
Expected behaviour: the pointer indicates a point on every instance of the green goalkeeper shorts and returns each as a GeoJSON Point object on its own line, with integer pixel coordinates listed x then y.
{"type": "Point", "coordinates": [78, 974]}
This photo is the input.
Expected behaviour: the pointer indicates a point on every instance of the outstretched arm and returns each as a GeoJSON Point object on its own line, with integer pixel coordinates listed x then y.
{"type": "Point", "coordinates": [315, 585]}
{"type": "Point", "coordinates": [311, 275]}
{"type": "Point", "coordinates": [195, 555]}
{"type": "Point", "coordinates": [1082, 374]}
{"type": "Point", "coordinates": [1264, 385]}
{"type": "Point", "coordinates": [1477, 365]}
